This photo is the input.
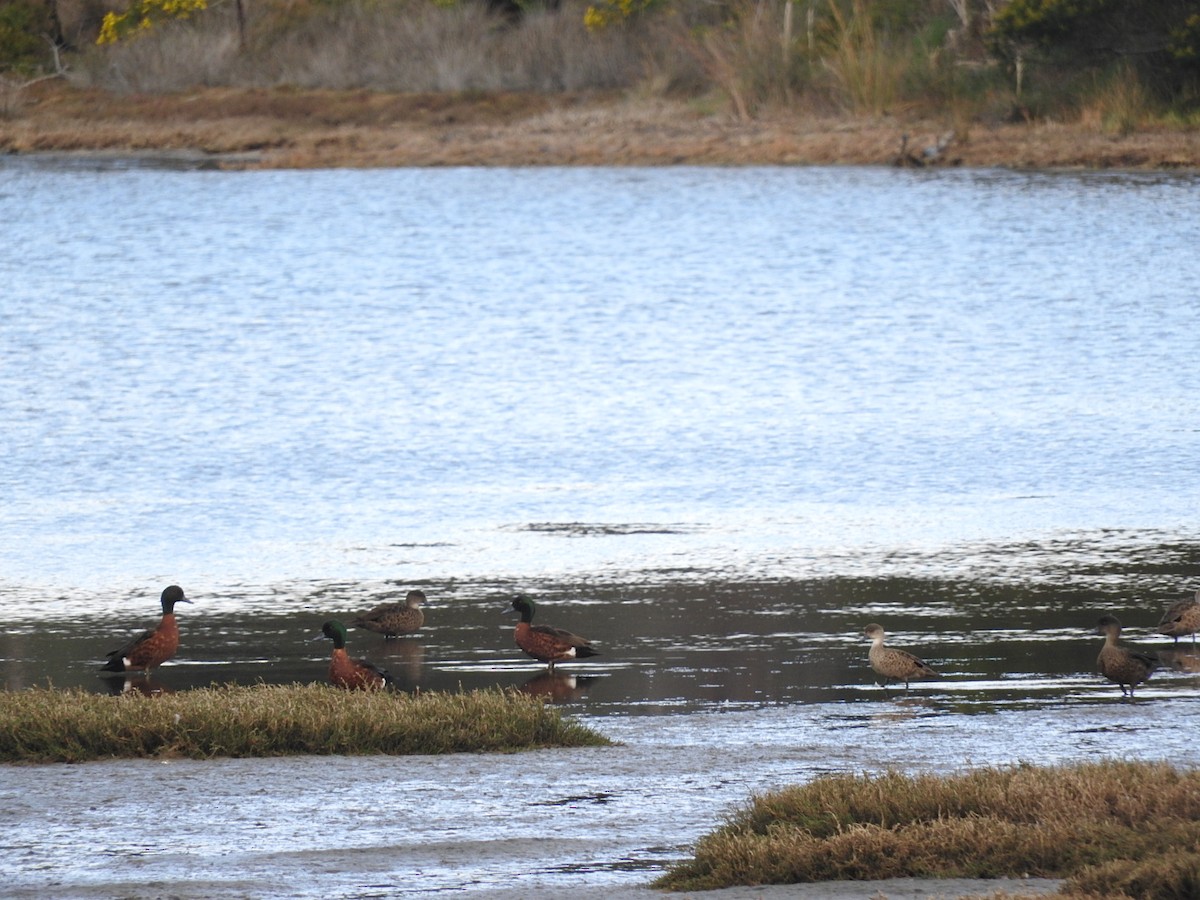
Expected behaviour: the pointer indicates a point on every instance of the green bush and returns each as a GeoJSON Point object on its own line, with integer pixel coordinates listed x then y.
{"type": "Point", "coordinates": [1157, 39]}
{"type": "Point", "coordinates": [26, 28]}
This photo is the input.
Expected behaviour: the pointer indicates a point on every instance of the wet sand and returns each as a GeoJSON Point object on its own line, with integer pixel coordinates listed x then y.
{"type": "Point", "coordinates": [231, 128]}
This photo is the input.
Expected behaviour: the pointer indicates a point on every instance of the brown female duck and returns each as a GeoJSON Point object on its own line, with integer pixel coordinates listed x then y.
{"type": "Point", "coordinates": [892, 664]}
{"type": "Point", "coordinates": [394, 619]}
{"type": "Point", "coordinates": [1182, 618]}
{"type": "Point", "coordinates": [152, 647]}
{"type": "Point", "coordinates": [1119, 664]}
{"type": "Point", "coordinates": [546, 643]}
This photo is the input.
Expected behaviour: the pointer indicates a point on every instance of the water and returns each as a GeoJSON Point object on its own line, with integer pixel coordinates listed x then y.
{"type": "Point", "coordinates": [716, 420]}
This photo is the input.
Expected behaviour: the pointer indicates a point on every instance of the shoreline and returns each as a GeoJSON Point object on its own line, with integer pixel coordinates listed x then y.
{"type": "Point", "coordinates": [289, 129]}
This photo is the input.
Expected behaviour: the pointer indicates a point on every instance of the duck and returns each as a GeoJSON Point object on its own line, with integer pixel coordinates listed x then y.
{"type": "Point", "coordinates": [546, 643]}
{"type": "Point", "coordinates": [1182, 618]}
{"type": "Point", "coordinates": [154, 646]}
{"type": "Point", "coordinates": [351, 674]}
{"type": "Point", "coordinates": [1119, 664]}
{"type": "Point", "coordinates": [892, 664]}
{"type": "Point", "coordinates": [394, 619]}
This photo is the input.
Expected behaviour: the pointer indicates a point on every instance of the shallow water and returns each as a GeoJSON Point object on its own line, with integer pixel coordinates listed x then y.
{"type": "Point", "coordinates": [714, 691]}
{"type": "Point", "coordinates": [543, 824]}
{"type": "Point", "coordinates": [715, 420]}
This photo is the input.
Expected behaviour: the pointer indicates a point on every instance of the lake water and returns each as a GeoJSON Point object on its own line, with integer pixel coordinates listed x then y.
{"type": "Point", "coordinates": [717, 420]}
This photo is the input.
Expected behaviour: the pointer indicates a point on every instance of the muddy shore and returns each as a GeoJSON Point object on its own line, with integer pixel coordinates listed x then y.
{"type": "Point", "coordinates": [319, 129]}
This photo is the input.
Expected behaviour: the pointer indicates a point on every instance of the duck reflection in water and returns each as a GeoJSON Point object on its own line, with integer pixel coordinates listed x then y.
{"type": "Point", "coordinates": [138, 684]}
{"type": "Point", "coordinates": [893, 664]}
{"type": "Point", "coordinates": [403, 658]}
{"type": "Point", "coordinates": [558, 687]}
{"type": "Point", "coordinates": [1180, 660]}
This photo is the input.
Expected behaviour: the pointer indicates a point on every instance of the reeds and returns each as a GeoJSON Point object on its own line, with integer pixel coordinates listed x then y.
{"type": "Point", "coordinates": [47, 725]}
{"type": "Point", "coordinates": [1047, 822]}
{"type": "Point", "coordinates": [392, 45]}
{"type": "Point", "coordinates": [865, 67]}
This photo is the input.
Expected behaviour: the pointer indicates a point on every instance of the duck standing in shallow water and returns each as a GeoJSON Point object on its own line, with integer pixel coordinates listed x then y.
{"type": "Point", "coordinates": [1119, 664]}
{"type": "Point", "coordinates": [152, 647]}
{"type": "Point", "coordinates": [892, 664]}
{"type": "Point", "coordinates": [351, 674]}
{"type": "Point", "coordinates": [546, 643]}
{"type": "Point", "coordinates": [394, 619]}
{"type": "Point", "coordinates": [1182, 618]}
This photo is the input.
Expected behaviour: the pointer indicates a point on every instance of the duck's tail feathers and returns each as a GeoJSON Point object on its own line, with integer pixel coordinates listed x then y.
{"type": "Point", "coordinates": [1151, 661]}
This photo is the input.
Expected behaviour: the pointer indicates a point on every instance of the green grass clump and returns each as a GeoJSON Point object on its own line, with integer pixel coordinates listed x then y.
{"type": "Point", "coordinates": [1023, 821]}
{"type": "Point", "coordinates": [47, 725]}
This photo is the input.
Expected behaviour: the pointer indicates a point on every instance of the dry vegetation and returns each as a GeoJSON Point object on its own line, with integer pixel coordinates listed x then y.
{"type": "Point", "coordinates": [47, 725]}
{"type": "Point", "coordinates": [1112, 829]}
{"type": "Point", "coordinates": [402, 82]}
{"type": "Point", "coordinates": [261, 128]}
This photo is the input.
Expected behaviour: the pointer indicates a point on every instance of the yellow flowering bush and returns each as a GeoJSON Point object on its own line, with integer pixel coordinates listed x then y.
{"type": "Point", "coordinates": [143, 15]}
{"type": "Point", "coordinates": [611, 12]}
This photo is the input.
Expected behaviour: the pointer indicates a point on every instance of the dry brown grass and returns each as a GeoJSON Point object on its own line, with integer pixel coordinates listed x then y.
{"type": "Point", "coordinates": [383, 45]}
{"type": "Point", "coordinates": [1046, 822]}
{"type": "Point", "coordinates": [289, 128]}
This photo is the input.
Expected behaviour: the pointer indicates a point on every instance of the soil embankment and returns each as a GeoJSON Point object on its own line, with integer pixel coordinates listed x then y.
{"type": "Point", "coordinates": [307, 129]}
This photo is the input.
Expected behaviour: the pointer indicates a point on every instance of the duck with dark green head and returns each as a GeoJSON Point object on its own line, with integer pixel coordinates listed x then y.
{"type": "Point", "coordinates": [545, 642]}
{"type": "Point", "coordinates": [351, 674]}
{"type": "Point", "coordinates": [152, 647]}
{"type": "Point", "coordinates": [1121, 665]}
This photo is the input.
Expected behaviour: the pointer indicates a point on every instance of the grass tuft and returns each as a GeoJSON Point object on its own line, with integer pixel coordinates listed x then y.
{"type": "Point", "coordinates": [990, 823]}
{"type": "Point", "coordinates": [48, 725]}
{"type": "Point", "coordinates": [1169, 876]}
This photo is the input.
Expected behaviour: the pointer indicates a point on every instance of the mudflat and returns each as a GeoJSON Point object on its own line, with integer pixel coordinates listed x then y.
{"type": "Point", "coordinates": [283, 128]}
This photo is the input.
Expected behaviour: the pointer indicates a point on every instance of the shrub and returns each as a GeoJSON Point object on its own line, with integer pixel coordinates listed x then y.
{"type": "Point", "coordinates": [26, 30]}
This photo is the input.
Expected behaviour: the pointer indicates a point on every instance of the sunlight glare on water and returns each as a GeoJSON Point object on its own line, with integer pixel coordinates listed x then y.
{"type": "Point", "coordinates": [716, 420]}
{"type": "Point", "coordinates": [287, 375]}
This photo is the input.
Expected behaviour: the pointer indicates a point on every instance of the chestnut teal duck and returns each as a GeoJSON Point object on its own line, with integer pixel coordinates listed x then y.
{"type": "Point", "coordinates": [546, 643]}
{"type": "Point", "coordinates": [154, 646]}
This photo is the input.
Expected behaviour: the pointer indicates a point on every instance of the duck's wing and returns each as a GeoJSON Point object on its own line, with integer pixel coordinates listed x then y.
{"type": "Point", "coordinates": [1149, 660]}
{"type": "Point", "coordinates": [376, 613]}
{"type": "Point", "coordinates": [125, 649]}
{"type": "Point", "coordinates": [914, 662]}
{"type": "Point", "coordinates": [116, 658]}
{"type": "Point", "coordinates": [371, 667]}
{"type": "Point", "coordinates": [562, 635]}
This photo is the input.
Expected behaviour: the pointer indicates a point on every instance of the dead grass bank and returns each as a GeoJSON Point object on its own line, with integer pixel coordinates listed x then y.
{"type": "Point", "coordinates": [1112, 829]}
{"type": "Point", "coordinates": [285, 128]}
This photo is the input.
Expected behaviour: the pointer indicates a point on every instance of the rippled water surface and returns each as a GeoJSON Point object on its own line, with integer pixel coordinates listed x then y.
{"type": "Point", "coordinates": [716, 420]}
